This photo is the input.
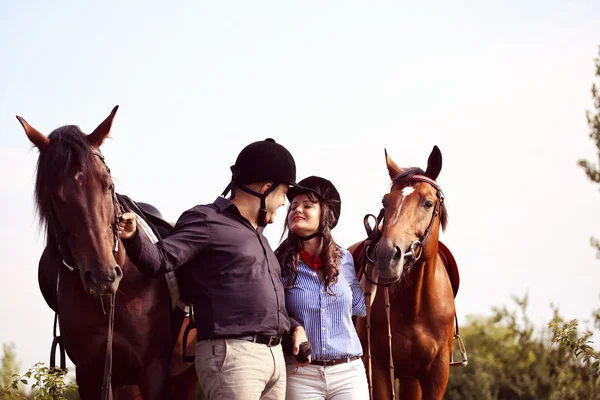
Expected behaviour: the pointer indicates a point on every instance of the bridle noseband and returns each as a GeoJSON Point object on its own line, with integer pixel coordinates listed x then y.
{"type": "Point", "coordinates": [416, 248]}
{"type": "Point", "coordinates": [414, 254]}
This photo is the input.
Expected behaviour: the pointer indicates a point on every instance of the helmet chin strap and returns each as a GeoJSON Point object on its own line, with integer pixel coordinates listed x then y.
{"type": "Point", "coordinates": [308, 237]}
{"type": "Point", "coordinates": [262, 211]}
{"type": "Point", "coordinates": [229, 188]}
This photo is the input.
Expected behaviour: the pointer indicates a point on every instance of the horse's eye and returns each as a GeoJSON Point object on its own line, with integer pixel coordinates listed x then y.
{"type": "Point", "coordinates": [428, 204]}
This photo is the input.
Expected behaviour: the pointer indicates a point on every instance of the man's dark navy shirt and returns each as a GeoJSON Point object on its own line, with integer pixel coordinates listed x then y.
{"type": "Point", "coordinates": [236, 277]}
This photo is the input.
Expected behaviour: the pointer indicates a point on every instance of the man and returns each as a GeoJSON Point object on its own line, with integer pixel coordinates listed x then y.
{"type": "Point", "coordinates": [236, 279]}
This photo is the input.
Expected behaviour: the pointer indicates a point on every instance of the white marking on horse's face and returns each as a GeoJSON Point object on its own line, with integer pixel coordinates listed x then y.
{"type": "Point", "coordinates": [78, 175]}
{"type": "Point", "coordinates": [398, 213]}
{"type": "Point", "coordinates": [407, 191]}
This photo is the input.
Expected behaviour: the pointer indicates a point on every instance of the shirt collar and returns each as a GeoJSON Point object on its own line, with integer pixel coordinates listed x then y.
{"type": "Point", "coordinates": [222, 203]}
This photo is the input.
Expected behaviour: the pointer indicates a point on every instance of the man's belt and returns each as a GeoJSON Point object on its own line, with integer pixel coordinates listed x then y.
{"type": "Point", "coordinates": [270, 341]}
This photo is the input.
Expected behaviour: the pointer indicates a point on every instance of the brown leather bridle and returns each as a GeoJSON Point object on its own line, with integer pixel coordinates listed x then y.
{"type": "Point", "coordinates": [414, 254]}
{"type": "Point", "coordinates": [416, 248]}
{"type": "Point", "coordinates": [63, 248]}
{"type": "Point", "coordinates": [69, 262]}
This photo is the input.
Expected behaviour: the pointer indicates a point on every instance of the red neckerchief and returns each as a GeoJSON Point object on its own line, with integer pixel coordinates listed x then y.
{"type": "Point", "coordinates": [314, 262]}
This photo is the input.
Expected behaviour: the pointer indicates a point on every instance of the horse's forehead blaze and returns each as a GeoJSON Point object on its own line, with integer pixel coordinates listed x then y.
{"type": "Point", "coordinates": [398, 199]}
{"type": "Point", "coordinates": [393, 201]}
{"type": "Point", "coordinates": [407, 191]}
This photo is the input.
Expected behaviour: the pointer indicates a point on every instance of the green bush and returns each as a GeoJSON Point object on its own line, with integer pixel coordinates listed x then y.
{"type": "Point", "coordinates": [509, 359]}
{"type": "Point", "coordinates": [46, 384]}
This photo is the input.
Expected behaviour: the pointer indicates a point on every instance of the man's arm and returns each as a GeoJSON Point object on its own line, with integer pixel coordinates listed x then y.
{"type": "Point", "coordinates": [188, 238]}
{"type": "Point", "coordinates": [299, 336]}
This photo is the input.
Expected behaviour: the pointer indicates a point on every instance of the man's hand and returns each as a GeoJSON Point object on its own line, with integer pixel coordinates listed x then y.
{"type": "Point", "coordinates": [127, 225]}
{"type": "Point", "coordinates": [299, 337]}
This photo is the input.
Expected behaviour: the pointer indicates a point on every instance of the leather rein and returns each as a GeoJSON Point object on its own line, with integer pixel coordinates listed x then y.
{"type": "Point", "coordinates": [413, 255]}
{"type": "Point", "coordinates": [69, 262]}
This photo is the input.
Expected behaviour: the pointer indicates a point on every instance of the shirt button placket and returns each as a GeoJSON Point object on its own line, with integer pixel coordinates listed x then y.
{"type": "Point", "coordinates": [323, 301]}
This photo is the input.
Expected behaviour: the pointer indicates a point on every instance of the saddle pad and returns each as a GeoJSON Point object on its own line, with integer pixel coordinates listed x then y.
{"type": "Point", "coordinates": [170, 277]}
{"type": "Point", "coordinates": [451, 266]}
{"type": "Point", "coordinates": [155, 229]}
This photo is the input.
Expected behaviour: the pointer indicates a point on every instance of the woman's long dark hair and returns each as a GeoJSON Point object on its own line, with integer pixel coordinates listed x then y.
{"type": "Point", "coordinates": [288, 252]}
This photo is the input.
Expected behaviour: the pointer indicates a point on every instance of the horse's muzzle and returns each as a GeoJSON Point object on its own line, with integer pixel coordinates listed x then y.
{"type": "Point", "coordinates": [389, 261]}
{"type": "Point", "coordinates": [98, 283]}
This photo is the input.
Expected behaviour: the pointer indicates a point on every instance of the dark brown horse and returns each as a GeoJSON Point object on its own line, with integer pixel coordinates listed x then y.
{"type": "Point", "coordinates": [403, 254]}
{"type": "Point", "coordinates": [84, 263]}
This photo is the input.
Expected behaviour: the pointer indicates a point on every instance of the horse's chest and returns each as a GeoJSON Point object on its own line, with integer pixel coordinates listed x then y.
{"type": "Point", "coordinates": [414, 347]}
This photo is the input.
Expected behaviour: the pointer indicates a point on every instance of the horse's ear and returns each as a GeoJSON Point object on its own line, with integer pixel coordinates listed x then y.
{"type": "Point", "coordinates": [39, 140]}
{"type": "Point", "coordinates": [393, 169]}
{"type": "Point", "coordinates": [101, 132]}
{"type": "Point", "coordinates": [434, 163]}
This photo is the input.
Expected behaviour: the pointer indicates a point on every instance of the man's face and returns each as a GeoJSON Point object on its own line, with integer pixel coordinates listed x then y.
{"type": "Point", "coordinates": [275, 200]}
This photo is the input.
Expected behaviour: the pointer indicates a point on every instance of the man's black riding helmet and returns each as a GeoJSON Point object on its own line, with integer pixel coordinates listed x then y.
{"type": "Point", "coordinates": [264, 161]}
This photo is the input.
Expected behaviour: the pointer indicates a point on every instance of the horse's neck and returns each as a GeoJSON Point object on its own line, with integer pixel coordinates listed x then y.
{"type": "Point", "coordinates": [417, 294]}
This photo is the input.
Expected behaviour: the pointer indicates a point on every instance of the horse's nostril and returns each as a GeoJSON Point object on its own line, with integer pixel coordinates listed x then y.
{"type": "Point", "coordinates": [87, 276]}
{"type": "Point", "coordinates": [397, 255]}
{"type": "Point", "coordinates": [115, 275]}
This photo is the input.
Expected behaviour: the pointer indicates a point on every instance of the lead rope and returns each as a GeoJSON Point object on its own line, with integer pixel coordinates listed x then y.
{"type": "Point", "coordinates": [369, 365]}
{"type": "Point", "coordinates": [386, 292]}
{"type": "Point", "coordinates": [106, 382]}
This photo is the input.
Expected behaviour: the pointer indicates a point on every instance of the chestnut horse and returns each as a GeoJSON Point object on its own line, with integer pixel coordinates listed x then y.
{"type": "Point", "coordinates": [84, 264]}
{"type": "Point", "coordinates": [403, 255]}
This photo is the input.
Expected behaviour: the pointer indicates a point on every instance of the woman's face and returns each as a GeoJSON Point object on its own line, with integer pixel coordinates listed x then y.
{"type": "Point", "coordinates": [304, 216]}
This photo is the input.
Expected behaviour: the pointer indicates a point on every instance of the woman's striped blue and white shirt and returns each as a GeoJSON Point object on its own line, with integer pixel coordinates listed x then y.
{"type": "Point", "coordinates": [327, 318]}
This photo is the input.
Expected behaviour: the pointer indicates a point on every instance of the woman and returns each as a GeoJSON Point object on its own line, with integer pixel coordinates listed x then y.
{"type": "Point", "coordinates": [322, 294]}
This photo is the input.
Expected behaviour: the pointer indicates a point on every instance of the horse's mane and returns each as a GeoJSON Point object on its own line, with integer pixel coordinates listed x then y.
{"type": "Point", "coordinates": [403, 179]}
{"type": "Point", "coordinates": [68, 150]}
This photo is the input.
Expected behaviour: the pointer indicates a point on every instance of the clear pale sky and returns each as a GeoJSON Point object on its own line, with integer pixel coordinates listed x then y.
{"type": "Point", "coordinates": [500, 87]}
